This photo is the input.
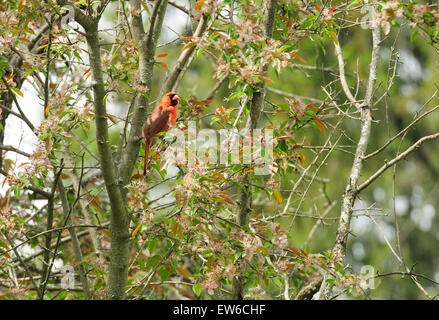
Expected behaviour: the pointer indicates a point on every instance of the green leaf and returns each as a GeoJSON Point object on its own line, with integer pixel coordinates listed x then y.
{"type": "Point", "coordinates": [414, 35]}
{"type": "Point", "coordinates": [331, 281]}
{"type": "Point", "coordinates": [199, 52]}
{"type": "Point", "coordinates": [189, 45]}
{"type": "Point", "coordinates": [153, 261]}
{"type": "Point", "coordinates": [17, 91]}
{"type": "Point", "coordinates": [163, 173]}
{"type": "Point", "coordinates": [152, 244]}
{"type": "Point", "coordinates": [77, 55]}
{"type": "Point", "coordinates": [3, 62]}
{"type": "Point", "coordinates": [394, 23]}
{"type": "Point", "coordinates": [197, 288]}
{"type": "Point", "coordinates": [307, 23]}
{"type": "Point", "coordinates": [277, 282]}
{"type": "Point", "coordinates": [283, 48]}
{"type": "Point", "coordinates": [29, 71]}
{"type": "Point", "coordinates": [25, 181]}
{"type": "Point", "coordinates": [164, 274]}
{"type": "Point", "coordinates": [17, 191]}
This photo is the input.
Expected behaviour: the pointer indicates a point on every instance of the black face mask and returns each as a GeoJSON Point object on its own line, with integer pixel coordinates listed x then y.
{"type": "Point", "coordinates": [173, 102]}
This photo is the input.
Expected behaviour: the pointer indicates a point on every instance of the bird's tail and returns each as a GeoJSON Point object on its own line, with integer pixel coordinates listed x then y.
{"type": "Point", "coordinates": [145, 163]}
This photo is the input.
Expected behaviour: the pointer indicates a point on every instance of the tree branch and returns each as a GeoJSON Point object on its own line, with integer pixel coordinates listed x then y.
{"type": "Point", "coordinates": [119, 220]}
{"type": "Point", "coordinates": [183, 59]}
{"type": "Point", "coordinates": [11, 148]}
{"type": "Point", "coordinates": [147, 46]}
{"type": "Point", "coordinates": [350, 193]}
{"type": "Point", "coordinates": [75, 241]}
{"type": "Point", "coordinates": [392, 162]}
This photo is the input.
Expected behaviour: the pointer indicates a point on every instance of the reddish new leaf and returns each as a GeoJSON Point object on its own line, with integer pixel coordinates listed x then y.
{"type": "Point", "coordinates": [332, 9]}
{"type": "Point", "coordinates": [320, 124]}
{"type": "Point", "coordinates": [10, 77]}
{"type": "Point", "coordinates": [136, 230]}
{"type": "Point", "coordinates": [199, 4]}
{"type": "Point", "coordinates": [265, 79]}
{"type": "Point", "coordinates": [199, 103]}
{"type": "Point", "coordinates": [297, 57]}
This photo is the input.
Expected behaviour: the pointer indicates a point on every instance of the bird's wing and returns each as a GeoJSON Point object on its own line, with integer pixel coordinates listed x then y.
{"type": "Point", "coordinates": [156, 122]}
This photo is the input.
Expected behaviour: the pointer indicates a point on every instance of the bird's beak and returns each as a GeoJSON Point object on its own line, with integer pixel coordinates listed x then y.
{"type": "Point", "coordinates": [176, 98]}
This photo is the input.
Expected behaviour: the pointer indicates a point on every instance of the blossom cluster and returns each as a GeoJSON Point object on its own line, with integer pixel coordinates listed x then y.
{"type": "Point", "coordinates": [392, 9]}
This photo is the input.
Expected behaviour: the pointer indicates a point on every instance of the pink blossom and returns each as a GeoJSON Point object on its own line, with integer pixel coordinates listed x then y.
{"type": "Point", "coordinates": [210, 287]}
{"type": "Point", "coordinates": [6, 41]}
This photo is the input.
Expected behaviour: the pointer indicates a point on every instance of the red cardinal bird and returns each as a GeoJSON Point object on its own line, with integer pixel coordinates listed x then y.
{"type": "Point", "coordinates": [161, 119]}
